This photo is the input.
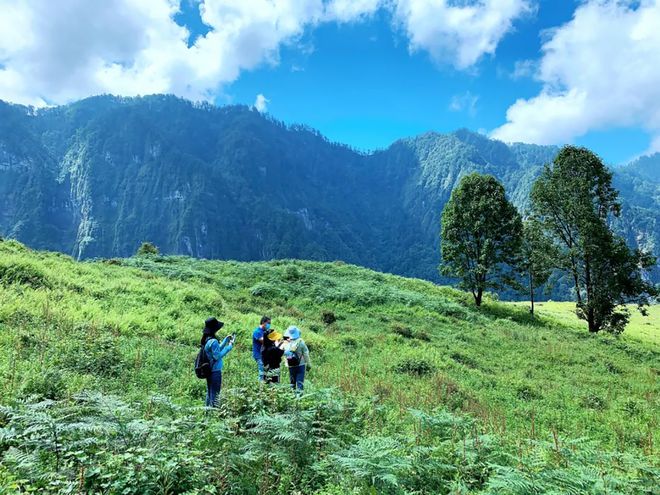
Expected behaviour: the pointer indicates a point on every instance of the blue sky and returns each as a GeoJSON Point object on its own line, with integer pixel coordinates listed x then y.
{"type": "Point", "coordinates": [359, 84]}
{"type": "Point", "coordinates": [363, 72]}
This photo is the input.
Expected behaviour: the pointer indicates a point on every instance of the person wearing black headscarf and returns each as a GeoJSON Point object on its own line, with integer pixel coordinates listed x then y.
{"type": "Point", "coordinates": [271, 356]}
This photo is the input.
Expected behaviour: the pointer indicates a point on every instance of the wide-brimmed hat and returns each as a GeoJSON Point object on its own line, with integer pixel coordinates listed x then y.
{"type": "Point", "coordinates": [213, 324]}
{"type": "Point", "coordinates": [292, 332]}
{"type": "Point", "coordinates": [274, 335]}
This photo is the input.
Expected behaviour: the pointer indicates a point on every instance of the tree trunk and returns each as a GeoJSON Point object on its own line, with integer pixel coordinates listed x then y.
{"type": "Point", "coordinates": [591, 320]}
{"type": "Point", "coordinates": [478, 296]}
{"type": "Point", "coordinates": [531, 292]}
{"type": "Point", "coordinates": [591, 317]}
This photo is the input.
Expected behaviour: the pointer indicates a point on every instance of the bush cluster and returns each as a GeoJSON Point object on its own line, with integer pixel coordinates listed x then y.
{"type": "Point", "coordinates": [415, 366]}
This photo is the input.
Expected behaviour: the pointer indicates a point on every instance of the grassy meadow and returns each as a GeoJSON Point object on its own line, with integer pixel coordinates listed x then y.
{"type": "Point", "coordinates": [643, 328]}
{"type": "Point", "coordinates": [413, 389]}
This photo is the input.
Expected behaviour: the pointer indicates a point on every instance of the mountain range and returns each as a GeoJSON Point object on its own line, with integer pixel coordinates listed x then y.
{"type": "Point", "coordinates": [97, 177]}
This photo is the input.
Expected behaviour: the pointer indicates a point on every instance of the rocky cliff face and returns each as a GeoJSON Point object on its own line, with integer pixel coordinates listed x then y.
{"type": "Point", "coordinates": [97, 177]}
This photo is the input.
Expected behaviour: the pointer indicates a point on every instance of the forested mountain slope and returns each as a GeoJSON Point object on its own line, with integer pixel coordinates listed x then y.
{"type": "Point", "coordinates": [97, 177]}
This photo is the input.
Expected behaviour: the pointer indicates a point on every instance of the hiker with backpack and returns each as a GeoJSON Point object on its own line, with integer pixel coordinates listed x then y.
{"type": "Point", "coordinates": [209, 360]}
{"type": "Point", "coordinates": [296, 353]}
{"type": "Point", "coordinates": [257, 344]}
{"type": "Point", "coordinates": [271, 355]}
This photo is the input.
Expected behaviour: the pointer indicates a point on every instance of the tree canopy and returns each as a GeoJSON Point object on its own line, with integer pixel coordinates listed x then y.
{"type": "Point", "coordinates": [481, 235]}
{"type": "Point", "coordinates": [574, 199]}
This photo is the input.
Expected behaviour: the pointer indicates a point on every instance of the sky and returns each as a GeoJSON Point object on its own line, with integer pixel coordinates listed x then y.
{"type": "Point", "coordinates": [363, 72]}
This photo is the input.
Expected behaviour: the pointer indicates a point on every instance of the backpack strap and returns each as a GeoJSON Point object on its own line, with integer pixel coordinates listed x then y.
{"type": "Point", "coordinates": [295, 350]}
{"type": "Point", "coordinates": [209, 355]}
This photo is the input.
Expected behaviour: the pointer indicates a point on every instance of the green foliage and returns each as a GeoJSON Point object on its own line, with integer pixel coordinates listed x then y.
{"type": "Point", "coordinates": [91, 351]}
{"type": "Point", "coordinates": [94, 443]}
{"type": "Point", "coordinates": [328, 317]}
{"type": "Point", "coordinates": [147, 248]}
{"type": "Point", "coordinates": [22, 273]}
{"type": "Point", "coordinates": [45, 384]}
{"type": "Point", "coordinates": [374, 462]}
{"type": "Point", "coordinates": [97, 393]}
{"type": "Point", "coordinates": [405, 332]}
{"type": "Point", "coordinates": [414, 366]}
{"type": "Point", "coordinates": [481, 234]}
{"type": "Point", "coordinates": [574, 200]}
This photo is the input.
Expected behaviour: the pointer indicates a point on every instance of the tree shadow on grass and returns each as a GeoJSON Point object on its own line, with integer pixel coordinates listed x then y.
{"type": "Point", "coordinates": [522, 315]}
{"type": "Point", "coordinates": [519, 314]}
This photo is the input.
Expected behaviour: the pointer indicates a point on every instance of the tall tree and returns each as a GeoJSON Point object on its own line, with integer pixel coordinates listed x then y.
{"type": "Point", "coordinates": [538, 256]}
{"type": "Point", "coordinates": [481, 234]}
{"type": "Point", "coordinates": [574, 199]}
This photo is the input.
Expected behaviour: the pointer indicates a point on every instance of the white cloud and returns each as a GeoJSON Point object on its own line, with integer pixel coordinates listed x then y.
{"type": "Point", "coordinates": [261, 103]}
{"type": "Point", "coordinates": [598, 71]}
{"type": "Point", "coordinates": [465, 102]}
{"type": "Point", "coordinates": [54, 52]}
{"type": "Point", "coordinates": [58, 51]}
{"type": "Point", "coordinates": [455, 32]}
{"type": "Point", "coordinates": [524, 68]}
{"type": "Point", "coordinates": [459, 33]}
{"type": "Point", "coordinates": [351, 10]}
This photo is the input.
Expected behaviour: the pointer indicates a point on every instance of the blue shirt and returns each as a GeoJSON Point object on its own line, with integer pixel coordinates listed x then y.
{"type": "Point", "coordinates": [215, 352]}
{"type": "Point", "coordinates": [256, 345]}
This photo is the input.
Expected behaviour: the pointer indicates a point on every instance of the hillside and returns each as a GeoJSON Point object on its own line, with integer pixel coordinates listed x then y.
{"type": "Point", "coordinates": [97, 177]}
{"type": "Point", "coordinates": [405, 372]}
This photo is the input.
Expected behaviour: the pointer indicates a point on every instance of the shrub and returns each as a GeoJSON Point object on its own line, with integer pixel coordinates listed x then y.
{"type": "Point", "coordinates": [464, 360]}
{"type": "Point", "coordinates": [262, 441]}
{"type": "Point", "coordinates": [45, 384]}
{"type": "Point", "coordinates": [328, 317]}
{"type": "Point", "coordinates": [92, 353]}
{"type": "Point", "coordinates": [377, 462]}
{"type": "Point", "coordinates": [111, 261]}
{"type": "Point", "coordinates": [415, 366]}
{"type": "Point", "coordinates": [612, 368]}
{"type": "Point", "coordinates": [405, 332]}
{"type": "Point", "coordinates": [315, 327]}
{"type": "Point", "coordinates": [147, 248]}
{"type": "Point", "coordinates": [632, 407]}
{"type": "Point", "coordinates": [292, 273]}
{"type": "Point", "coordinates": [593, 401]}
{"type": "Point", "coordinates": [27, 341]}
{"type": "Point", "coordinates": [527, 393]}
{"type": "Point", "coordinates": [24, 274]}
{"type": "Point", "coordinates": [268, 290]}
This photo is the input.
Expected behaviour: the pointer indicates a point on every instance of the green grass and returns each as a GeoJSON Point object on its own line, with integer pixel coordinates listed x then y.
{"type": "Point", "coordinates": [130, 328]}
{"type": "Point", "coordinates": [642, 328]}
